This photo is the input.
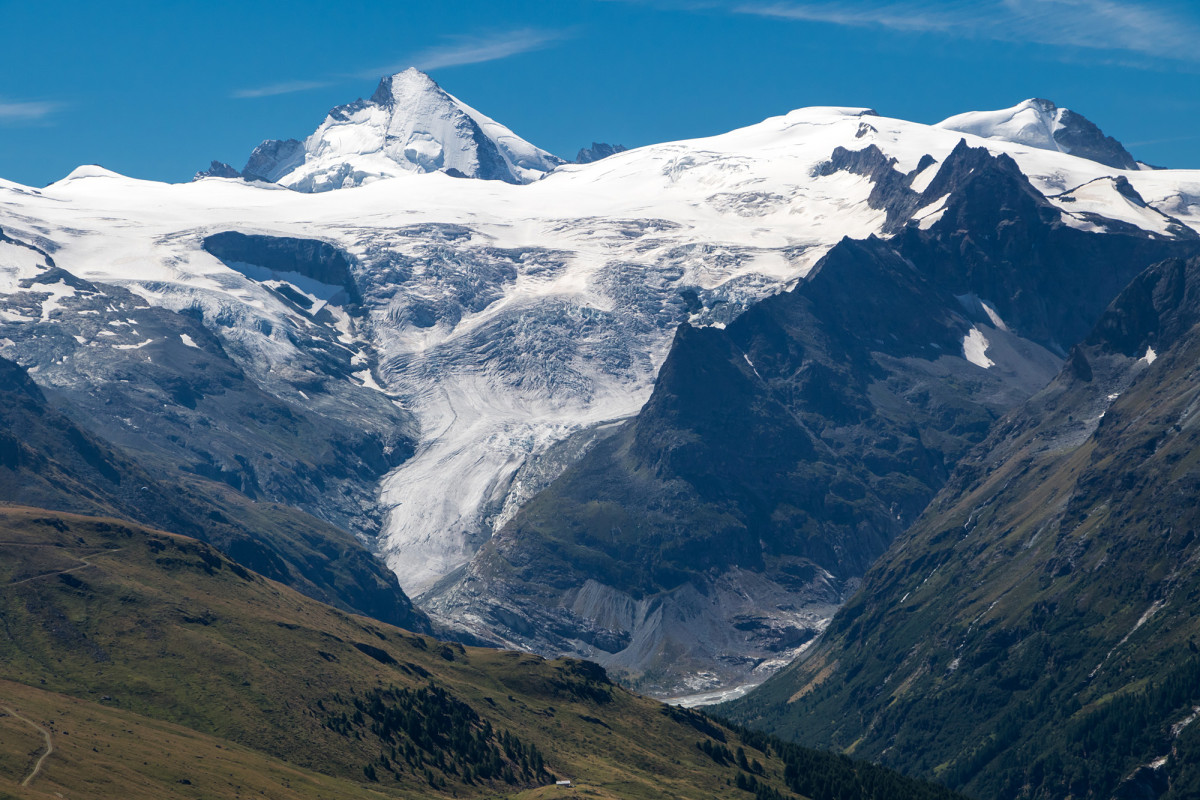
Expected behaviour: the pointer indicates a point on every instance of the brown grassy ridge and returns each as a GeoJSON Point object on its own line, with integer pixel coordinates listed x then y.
{"type": "Point", "coordinates": [162, 650]}
{"type": "Point", "coordinates": [102, 751]}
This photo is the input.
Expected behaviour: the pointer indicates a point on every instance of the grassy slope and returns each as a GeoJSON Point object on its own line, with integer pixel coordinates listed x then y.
{"type": "Point", "coordinates": [160, 643]}
{"type": "Point", "coordinates": [102, 751]}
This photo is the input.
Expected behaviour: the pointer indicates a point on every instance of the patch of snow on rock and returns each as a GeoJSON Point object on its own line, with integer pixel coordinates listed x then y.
{"type": "Point", "coordinates": [57, 291]}
{"type": "Point", "coordinates": [992, 315]}
{"type": "Point", "coordinates": [975, 347]}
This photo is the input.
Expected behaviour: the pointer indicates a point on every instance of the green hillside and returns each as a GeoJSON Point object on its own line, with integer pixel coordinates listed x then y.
{"type": "Point", "coordinates": [194, 677]}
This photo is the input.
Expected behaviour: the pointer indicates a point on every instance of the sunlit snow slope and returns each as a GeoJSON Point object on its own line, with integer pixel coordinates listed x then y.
{"type": "Point", "coordinates": [1040, 123]}
{"type": "Point", "coordinates": [507, 316]}
{"type": "Point", "coordinates": [410, 124]}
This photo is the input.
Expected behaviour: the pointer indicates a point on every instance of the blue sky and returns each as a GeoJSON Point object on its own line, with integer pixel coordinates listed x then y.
{"type": "Point", "coordinates": [157, 89]}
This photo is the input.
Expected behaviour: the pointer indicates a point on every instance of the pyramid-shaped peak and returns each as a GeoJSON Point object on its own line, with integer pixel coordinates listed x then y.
{"type": "Point", "coordinates": [409, 125]}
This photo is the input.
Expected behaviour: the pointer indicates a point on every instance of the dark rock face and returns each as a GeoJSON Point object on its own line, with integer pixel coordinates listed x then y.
{"type": "Point", "coordinates": [310, 258]}
{"type": "Point", "coordinates": [218, 169]}
{"type": "Point", "coordinates": [492, 166]}
{"type": "Point", "coordinates": [1079, 136]}
{"type": "Point", "coordinates": [1146, 783]}
{"type": "Point", "coordinates": [890, 189]}
{"type": "Point", "coordinates": [999, 239]}
{"type": "Point", "coordinates": [1046, 598]}
{"type": "Point", "coordinates": [597, 151]}
{"type": "Point", "coordinates": [797, 442]}
{"type": "Point", "coordinates": [273, 159]}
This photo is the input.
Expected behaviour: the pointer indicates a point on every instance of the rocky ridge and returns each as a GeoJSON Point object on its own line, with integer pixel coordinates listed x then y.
{"type": "Point", "coordinates": [707, 541]}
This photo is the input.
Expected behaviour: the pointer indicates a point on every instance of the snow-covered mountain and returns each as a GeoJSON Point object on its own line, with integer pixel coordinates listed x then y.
{"type": "Point", "coordinates": [1040, 123]}
{"type": "Point", "coordinates": [509, 319]}
{"type": "Point", "coordinates": [410, 124]}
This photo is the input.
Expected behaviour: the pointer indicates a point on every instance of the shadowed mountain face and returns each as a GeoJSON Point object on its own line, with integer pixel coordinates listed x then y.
{"type": "Point", "coordinates": [598, 151]}
{"type": "Point", "coordinates": [779, 456]}
{"type": "Point", "coordinates": [319, 262]}
{"type": "Point", "coordinates": [1033, 634]}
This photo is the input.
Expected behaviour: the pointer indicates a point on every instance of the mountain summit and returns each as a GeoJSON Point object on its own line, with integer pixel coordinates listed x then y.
{"type": "Point", "coordinates": [410, 124]}
{"type": "Point", "coordinates": [1040, 123]}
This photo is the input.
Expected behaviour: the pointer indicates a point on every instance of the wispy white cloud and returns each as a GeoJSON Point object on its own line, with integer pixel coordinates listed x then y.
{"type": "Point", "coordinates": [899, 16]}
{"type": "Point", "coordinates": [1107, 25]}
{"type": "Point", "coordinates": [452, 52]}
{"type": "Point", "coordinates": [35, 111]}
{"type": "Point", "coordinates": [1125, 25]}
{"type": "Point", "coordinates": [477, 49]}
{"type": "Point", "coordinates": [677, 5]}
{"type": "Point", "coordinates": [281, 88]}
